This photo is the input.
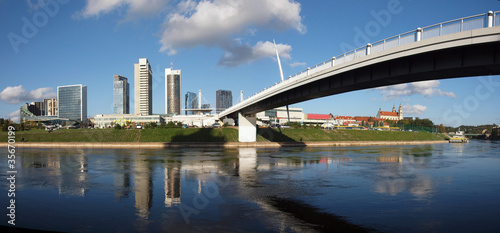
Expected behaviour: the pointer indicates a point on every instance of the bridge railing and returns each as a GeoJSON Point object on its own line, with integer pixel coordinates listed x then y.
{"type": "Point", "coordinates": [453, 26]}
{"type": "Point", "coordinates": [490, 19]}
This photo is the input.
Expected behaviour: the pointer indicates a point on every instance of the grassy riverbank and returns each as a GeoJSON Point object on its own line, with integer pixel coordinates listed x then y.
{"type": "Point", "coordinates": [214, 135]}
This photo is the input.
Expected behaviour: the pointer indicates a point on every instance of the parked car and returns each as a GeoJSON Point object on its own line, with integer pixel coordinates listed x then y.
{"type": "Point", "coordinates": [216, 125]}
{"type": "Point", "coordinates": [275, 126]}
{"type": "Point", "coordinates": [139, 127]}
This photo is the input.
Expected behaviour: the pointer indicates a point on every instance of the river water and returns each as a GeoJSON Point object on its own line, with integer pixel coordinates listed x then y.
{"type": "Point", "coordinates": [424, 188]}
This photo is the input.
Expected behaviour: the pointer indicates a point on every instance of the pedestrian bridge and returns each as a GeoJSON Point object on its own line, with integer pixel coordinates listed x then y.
{"type": "Point", "coordinates": [463, 47]}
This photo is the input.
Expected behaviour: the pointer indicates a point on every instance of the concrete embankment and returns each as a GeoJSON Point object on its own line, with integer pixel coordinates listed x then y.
{"type": "Point", "coordinates": [161, 145]}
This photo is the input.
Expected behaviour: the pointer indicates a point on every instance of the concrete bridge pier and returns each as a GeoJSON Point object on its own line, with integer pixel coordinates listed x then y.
{"type": "Point", "coordinates": [247, 127]}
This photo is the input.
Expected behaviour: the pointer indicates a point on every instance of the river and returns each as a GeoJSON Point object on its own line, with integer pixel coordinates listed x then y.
{"type": "Point", "coordinates": [420, 188]}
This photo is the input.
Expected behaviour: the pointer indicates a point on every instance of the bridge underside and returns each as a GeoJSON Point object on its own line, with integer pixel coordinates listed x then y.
{"type": "Point", "coordinates": [464, 61]}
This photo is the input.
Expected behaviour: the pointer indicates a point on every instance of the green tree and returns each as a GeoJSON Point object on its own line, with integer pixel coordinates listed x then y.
{"type": "Point", "coordinates": [5, 127]}
{"type": "Point", "coordinates": [118, 126]}
{"type": "Point", "coordinates": [153, 125]}
{"type": "Point", "coordinates": [441, 128]}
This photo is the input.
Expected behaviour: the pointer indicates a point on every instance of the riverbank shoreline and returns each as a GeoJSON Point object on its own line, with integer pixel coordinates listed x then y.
{"type": "Point", "coordinates": [163, 145]}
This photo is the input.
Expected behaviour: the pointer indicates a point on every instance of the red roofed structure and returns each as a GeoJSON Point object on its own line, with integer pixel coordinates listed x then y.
{"type": "Point", "coordinates": [318, 116]}
{"type": "Point", "coordinates": [393, 115]}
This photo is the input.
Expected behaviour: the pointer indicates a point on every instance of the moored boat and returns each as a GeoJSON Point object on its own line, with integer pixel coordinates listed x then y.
{"type": "Point", "coordinates": [459, 137]}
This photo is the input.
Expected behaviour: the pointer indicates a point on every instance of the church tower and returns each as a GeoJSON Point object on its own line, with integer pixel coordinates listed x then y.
{"type": "Point", "coordinates": [400, 112]}
{"type": "Point", "coordinates": [393, 108]}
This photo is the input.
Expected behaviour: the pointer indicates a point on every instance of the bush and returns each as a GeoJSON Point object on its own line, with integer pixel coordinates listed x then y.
{"type": "Point", "coordinates": [118, 126]}
{"type": "Point", "coordinates": [172, 124]}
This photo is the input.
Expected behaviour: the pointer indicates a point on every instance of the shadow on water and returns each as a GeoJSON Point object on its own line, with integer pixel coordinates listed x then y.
{"type": "Point", "coordinates": [321, 221]}
{"type": "Point", "coordinates": [201, 135]}
{"type": "Point", "coordinates": [277, 136]}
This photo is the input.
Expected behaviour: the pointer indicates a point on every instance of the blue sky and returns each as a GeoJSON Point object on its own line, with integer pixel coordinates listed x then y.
{"type": "Point", "coordinates": [222, 44]}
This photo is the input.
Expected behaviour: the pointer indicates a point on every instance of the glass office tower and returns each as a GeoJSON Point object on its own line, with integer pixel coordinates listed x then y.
{"type": "Point", "coordinates": [121, 90]}
{"type": "Point", "coordinates": [72, 102]}
{"type": "Point", "coordinates": [191, 102]}
{"type": "Point", "coordinates": [224, 100]}
{"type": "Point", "coordinates": [172, 91]}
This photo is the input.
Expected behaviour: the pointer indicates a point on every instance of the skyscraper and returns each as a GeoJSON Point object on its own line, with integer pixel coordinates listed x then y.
{"type": "Point", "coordinates": [72, 102]}
{"type": "Point", "coordinates": [143, 77]}
{"type": "Point", "coordinates": [172, 91]}
{"type": "Point", "coordinates": [121, 95]}
{"type": "Point", "coordinates": [224, 99]}
{"type": "Point", "coordinates": [191, 102]}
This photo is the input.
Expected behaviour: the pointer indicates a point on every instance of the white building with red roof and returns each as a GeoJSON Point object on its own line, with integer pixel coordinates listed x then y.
{"type": "Point", "coordinates": [393, 115]}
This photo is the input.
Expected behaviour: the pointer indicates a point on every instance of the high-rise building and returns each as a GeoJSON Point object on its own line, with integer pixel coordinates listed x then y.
{"type": "Point", "coordinates": [121, 95]}
{"type": "Point", "coordinates": [224, 100]}
{"type": "Point", "coordinates": [143, 77]}
{"type": "Point", "coordinates": [191, 102]}
{"type": "Point", "coordinates": [50, 107]}
{"type": "Point", "coordinates": [172, 91]}
{"type": "Point", "coordinates": [72, 102]}
{"type": "Point", "coordinates": [37, 108]}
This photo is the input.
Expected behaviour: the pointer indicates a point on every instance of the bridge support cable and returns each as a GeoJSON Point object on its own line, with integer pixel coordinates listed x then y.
{"type": "Point", "coordinates": [281, 75]}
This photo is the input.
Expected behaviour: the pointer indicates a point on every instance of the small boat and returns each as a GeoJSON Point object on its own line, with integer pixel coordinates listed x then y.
{"type": "Point", "coordinates": [459, 137]}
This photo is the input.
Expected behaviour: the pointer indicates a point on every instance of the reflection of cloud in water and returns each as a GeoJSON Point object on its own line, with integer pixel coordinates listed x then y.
{"type": "Point", "coordinates": [394, 180]}
{"type": "Point", "coordinates": [419, 186]}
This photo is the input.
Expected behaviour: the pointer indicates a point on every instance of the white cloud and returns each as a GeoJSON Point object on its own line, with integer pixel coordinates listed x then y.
{"type": "Point", "coordinates": [237, 54]}
{"type": "Point", "coordinates": [18, 94]}
{"type": "Point", "coordinates": [295, 64]}
{"type": "Point", "coordinates": [14, 116]}
{"type": "Point", "coordinates": [425, 88]}
{"type": "Point", "coordinates": [414, 109]}
{"type": "Point", "coordinates": [135, 8]}
{"type": "Point", "coordinates": [216, 23]}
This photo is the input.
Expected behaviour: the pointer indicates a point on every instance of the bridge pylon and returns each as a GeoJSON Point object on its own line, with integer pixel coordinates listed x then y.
{"type": "Point", "coordinates": [247, 128]}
